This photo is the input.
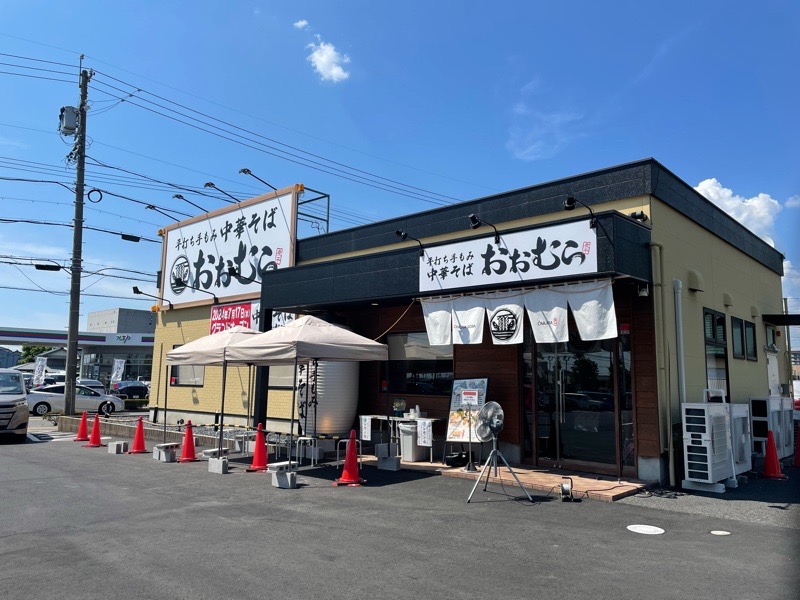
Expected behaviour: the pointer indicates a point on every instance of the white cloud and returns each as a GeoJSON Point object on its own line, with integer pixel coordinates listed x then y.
{"type": "Point", "coordinates": [543, 134]}
{"type": "Point", "coordinates": [793, 202]}
{"type": "Point", "coordinates": [11, 143]}
{"type": "Point", "coordinates": [301, 24]}
{"type": "Point", "coordinates": [327, 61]}
{"type": "Point", "coordinates": [757, 213]}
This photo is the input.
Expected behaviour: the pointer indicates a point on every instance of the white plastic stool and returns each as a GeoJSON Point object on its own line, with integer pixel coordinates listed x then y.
{"type": "Point", "coordinates": [311, 443]}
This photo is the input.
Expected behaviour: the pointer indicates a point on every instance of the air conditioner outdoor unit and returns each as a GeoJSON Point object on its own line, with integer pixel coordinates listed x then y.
{"type": "Point", "coordinates": [740, 432]}
{"type": "Point", "coordinates": [772, 414]}
{"type": "Point", "coordinates": [707, 451]}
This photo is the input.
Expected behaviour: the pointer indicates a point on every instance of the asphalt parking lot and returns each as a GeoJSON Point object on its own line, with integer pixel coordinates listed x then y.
{"type": "Point", "coordinates": [82, 523]}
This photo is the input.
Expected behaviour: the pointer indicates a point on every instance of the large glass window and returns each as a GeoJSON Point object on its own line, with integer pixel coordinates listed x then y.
{"type": "Point", "coordinates": [416, 367]}
{"type": "Point", "coordinates": [191, 375]}
{"type": "Point", "coordinates": [750, 341]}
{"type": "Point", "coordinates": [716, 350]}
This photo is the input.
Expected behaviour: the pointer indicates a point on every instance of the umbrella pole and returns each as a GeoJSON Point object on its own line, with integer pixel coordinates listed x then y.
{"type": "Point", "coordinates": [222, 407]}
{"type": "Point", "coordinates": [291, 422]}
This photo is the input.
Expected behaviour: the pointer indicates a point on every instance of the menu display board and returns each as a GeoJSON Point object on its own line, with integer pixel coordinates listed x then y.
{"type": "Point", "coordinates": [462, 418]}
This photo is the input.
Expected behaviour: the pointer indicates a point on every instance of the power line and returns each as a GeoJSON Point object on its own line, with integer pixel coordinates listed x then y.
{"type": "Point", "coordinates": [40, 60]}
{"type": "Point", "coordinates": [295, 148]}
{"type": "Point", "coordinates": [282, 154]}
{"type": "Point", "coordinates": [60, 293]}
{"type": "Point", "coordinates": [70, 226]}
{"type": "Point", "coordinates": [36, 77]}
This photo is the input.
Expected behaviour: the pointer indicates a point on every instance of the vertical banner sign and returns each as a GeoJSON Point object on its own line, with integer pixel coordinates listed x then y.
{"type": "Point", "coordinates": [41, 366]}
{"type": "Point", "coordinates": [425, 432]}
{"type": "Point", "coordinates": [118, 370]}
{"type": "Point", "coordinates": [366, 428]}
{"type": "Point", "coordinates": [462, 418]}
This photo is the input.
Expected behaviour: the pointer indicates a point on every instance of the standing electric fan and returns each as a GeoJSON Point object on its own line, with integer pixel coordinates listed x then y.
{"type": "Point", "coordinates": [489, 424]}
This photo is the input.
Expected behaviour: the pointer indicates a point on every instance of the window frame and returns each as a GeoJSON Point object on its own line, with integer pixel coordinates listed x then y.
{"type": "Point", "coordinates": [718, 341]}
{"type": "Point", "coordinates": [750, 352]}
{"type": "Point", "coordinates": [737, 335]}
{"type": "Point", "coordinates": [175, 370]}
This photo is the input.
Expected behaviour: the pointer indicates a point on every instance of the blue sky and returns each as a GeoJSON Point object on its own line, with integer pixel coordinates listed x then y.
{"type": "Point", "coordinates": [458, 99]}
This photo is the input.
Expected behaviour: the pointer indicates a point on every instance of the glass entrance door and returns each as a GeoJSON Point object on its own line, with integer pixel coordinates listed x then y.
{"type": "Point", "coordinates": [575, 408]}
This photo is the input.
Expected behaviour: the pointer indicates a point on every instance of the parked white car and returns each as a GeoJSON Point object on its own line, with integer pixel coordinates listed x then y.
{"type": "Point", "coordinates": [51, 397]}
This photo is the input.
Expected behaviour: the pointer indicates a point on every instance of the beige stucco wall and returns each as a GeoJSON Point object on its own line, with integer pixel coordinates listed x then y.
{"type": "Point", "coordinates": [181, 325]}
{"type": "Point", "coordinates": [753, 289]}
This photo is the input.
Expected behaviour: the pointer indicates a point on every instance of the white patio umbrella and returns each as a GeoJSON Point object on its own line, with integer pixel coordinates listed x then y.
{"type": "Point", "coordinates": [209, 350]}
{"type": "Point", "coordinates": [301, 341]}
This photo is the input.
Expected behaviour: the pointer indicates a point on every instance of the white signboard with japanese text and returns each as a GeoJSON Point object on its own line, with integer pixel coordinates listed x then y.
{"type": "Point", "coordinates": [469, 398]}
{"type": "Point", "coordinates": [542, 253]}
{"type": "Point", "coordinates": [425, 433]}
{"type": "Point", "coordinates": [252, 237]}
{"type": "Point", "coordinates": [366, 428]}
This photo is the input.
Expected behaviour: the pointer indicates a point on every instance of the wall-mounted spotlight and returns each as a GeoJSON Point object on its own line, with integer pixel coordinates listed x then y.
{"type": "Point", "coordinates": [403, 235]}
{"type": "Point", "coordinates": [161, 212]}
{"type": "Point", "coordinates": [571, 201]}
{"type": "Point", "coordinates": [247, 171]}
{"type": "Point", "coordinates": [139, 292]}
{"type": "Point", "coordinates": [475, 222]}
{"type": "Point", "coordinates": [234, 272]}
{"type": "Point", "coordinates": [643, 291]}
{"type": "Point", "coordinates": [181, 282]}
{"type": "Point", "coordinates": [210, 184]}
{"type": "Point", "coordinates": [639, 215]}
{"type": "Point", "coordinates": [197, 206]}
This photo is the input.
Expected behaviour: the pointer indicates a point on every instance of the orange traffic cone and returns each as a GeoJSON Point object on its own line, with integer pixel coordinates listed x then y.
{"type": "Point", "coordinates": [138, 439]}
{"type": "Point", "coordinates": [796, 446]}
{"type": "Point", "coordinates": [94, 438]}
{"type": "Point", "coordinates": [350, 471]}
{"type": "Point", "coordinates": [259, 454]}
{"type": "Point", "coordinates": [772, 467]}
{"type": "Point", "coordinates": [188, 451]}
{"type": "Point", "coordinates": [83, 434]}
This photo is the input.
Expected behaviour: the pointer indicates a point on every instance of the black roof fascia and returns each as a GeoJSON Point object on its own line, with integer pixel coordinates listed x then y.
{"type": "Point", "coordinates": [623, 250]}
{"type": "Point", "coordinates": [639, 178]}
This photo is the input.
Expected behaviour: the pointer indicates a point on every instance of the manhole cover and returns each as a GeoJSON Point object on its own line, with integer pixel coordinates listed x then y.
{"type": "Point", "coordinates": [645, 529]}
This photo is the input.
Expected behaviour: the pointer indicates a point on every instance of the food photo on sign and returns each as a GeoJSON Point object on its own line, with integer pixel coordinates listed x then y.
{"type": "Point", "coordinates": [462, 418]}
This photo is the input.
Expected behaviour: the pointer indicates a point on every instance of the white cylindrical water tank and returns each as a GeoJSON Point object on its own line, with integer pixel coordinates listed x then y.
{"type": "Point", "coordinates": [337, 398]}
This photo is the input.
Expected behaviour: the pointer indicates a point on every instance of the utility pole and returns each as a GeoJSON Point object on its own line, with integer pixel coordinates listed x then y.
{"type": "Point", "coordinates": [77, 243]}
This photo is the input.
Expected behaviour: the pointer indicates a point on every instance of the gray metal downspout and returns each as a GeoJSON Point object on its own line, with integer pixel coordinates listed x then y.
{"type": "Point", "coordinates": [677, 286]}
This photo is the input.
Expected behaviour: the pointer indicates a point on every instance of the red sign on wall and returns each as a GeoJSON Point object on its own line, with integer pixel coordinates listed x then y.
{"type": "Point", "coordinates": [230, 315]}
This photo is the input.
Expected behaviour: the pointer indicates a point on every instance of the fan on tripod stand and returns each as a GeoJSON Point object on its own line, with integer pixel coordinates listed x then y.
{"type": "Point", "coordinates": [489, 424]}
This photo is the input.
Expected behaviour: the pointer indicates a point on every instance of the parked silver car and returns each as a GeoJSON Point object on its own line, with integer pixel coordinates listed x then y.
{"type": "Point", "coordinates": [51, 397]}
{"type": "Point", "coordinates": [13, 406]}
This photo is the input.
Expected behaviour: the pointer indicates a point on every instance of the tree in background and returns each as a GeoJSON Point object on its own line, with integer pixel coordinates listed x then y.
{"type": "Point", "coordinates": [29, 353]}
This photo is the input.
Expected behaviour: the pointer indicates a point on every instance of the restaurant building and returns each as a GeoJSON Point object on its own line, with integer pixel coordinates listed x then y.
{"type": "Point", "coordinates": [594, 305]}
